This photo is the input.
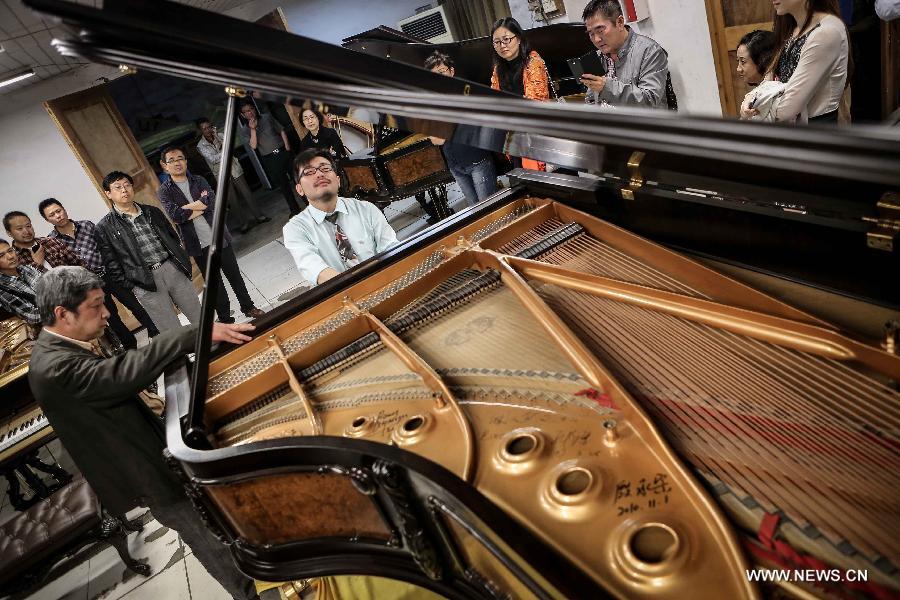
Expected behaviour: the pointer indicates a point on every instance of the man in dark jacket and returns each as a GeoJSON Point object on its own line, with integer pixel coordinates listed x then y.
{"type": "Point", "coordinates": [92, 403]}
{"type": "Point", "coordinates": [141, 252]}
{"type": "Point", "coordinates": [189, 201]}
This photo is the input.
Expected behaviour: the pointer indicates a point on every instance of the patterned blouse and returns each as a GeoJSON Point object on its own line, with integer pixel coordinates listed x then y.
{"type": "Point", "coordinates": [534, 78]}
{"type": "Point", "coordinates": [536, 87]}
{"type": "Point", "coordinates": [790, 55]}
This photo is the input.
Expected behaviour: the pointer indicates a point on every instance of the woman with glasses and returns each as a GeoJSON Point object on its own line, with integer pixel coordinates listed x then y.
{"type": "Point", "coordinates": [320, 137]}
{"type": "Point", "coordinates": [518, 69]}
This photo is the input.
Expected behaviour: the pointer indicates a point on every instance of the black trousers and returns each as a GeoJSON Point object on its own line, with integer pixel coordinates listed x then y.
{"type": "Point", "coordinates": [129, 301]}
{"type": "Point", "coordinates": [232, 272]}
{"type": "Point", "coordinates": [118, 327]}
{"type": "Point", "coordinates": [211, 553]}
{"type": "Point", "coordinates": [278, 168]}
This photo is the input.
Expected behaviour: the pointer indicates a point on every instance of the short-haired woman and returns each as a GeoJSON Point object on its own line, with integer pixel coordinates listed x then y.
{"type": "Point", "coordinates": [320, 136]}
{"type": "Point", "coordinates": [754, 56]}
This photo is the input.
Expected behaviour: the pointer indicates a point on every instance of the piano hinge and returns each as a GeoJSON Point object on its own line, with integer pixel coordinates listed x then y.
{"type": "Point", "coordinates": [891, 336]}
{"type": "Point", "coordinates": [235, 91]}
{"type": "Point", "coordinates": [635, 178]}
{"type": "Point", "coordinates": [886, 225]}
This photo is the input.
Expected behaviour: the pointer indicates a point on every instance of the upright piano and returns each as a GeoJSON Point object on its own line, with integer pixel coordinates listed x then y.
{"type": "Point", "coordinates": [23, 427]}
{"type": "Point", "coordinates": [640, 383]}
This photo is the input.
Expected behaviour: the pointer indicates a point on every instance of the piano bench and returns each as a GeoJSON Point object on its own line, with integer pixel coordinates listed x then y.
{"type": "Point", "coordinates": [57, 527]}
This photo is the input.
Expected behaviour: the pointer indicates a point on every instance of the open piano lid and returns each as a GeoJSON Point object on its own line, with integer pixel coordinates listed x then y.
{"type": "Point", "coordinates": [809, 195]}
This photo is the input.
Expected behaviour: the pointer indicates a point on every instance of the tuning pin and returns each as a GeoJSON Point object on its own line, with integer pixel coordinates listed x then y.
{"type": "Point", "coordinates": [611, 432]}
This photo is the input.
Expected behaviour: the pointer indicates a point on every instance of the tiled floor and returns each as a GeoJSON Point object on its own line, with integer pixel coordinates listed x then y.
{"type": "Point", "coordinates": [272, 279]}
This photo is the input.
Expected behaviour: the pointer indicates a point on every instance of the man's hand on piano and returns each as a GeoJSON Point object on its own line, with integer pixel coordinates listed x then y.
{"type": "Point", "coordinates": [231, 332]}
{"type": "Point", "coordinates": [326, 274]}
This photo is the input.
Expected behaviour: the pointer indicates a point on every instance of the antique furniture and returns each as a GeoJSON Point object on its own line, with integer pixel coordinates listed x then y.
{"type": "Point", "coordinates": [399, 166]}
{"type": "Point", "coordinates": [32, 542]}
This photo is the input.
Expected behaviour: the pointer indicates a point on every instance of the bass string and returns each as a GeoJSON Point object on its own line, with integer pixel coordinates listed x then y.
{"type": "Point", "coordinates": [681, 363]}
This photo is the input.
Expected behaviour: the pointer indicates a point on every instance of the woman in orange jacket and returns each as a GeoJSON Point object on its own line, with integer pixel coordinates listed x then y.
{"type": "Point", "coordinates": [518, 68]}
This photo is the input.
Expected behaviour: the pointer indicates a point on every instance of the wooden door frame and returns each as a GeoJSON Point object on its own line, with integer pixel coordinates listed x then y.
{"type": "Point", "coordinates": [724, 40]}
{"type": "Point", "coordinates": [57, 106]}
{"type": "Point", "coordinates": [890, 64]}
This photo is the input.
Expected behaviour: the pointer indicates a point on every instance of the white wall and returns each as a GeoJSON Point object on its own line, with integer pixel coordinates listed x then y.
{"type": "Point", "coordinates": [681, 27]}
{"type": "Point", "coordinates": [36, 162]}
{"type": "Point", "coordinates": [334, 20]}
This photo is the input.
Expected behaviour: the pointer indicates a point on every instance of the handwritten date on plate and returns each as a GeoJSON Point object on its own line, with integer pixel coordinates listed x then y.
{"type": "Point", "coordinates": [631, 497]}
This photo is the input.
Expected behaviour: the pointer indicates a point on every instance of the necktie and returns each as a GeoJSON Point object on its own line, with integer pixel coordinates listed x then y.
{"type": "Point", "coordinates": [340, 239]}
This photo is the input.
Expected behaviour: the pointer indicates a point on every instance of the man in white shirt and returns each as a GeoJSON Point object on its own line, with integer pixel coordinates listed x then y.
{"type": "Point", "coordinates": [333, 233]}
{"type": "Point", "coordinates": [210, 148]}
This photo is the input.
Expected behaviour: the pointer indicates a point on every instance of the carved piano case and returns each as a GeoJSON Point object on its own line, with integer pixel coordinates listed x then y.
{"type": "Point", "coordinates": [400, 165]}
{"type": "Point", "coordinates": [529, 400]}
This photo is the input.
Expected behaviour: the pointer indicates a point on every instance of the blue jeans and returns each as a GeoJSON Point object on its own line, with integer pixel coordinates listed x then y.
{"type": "Point", "coordinates": [477, 181]}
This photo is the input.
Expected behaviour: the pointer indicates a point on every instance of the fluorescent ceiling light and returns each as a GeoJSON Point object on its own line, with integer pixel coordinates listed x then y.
{"type": "Point", "coordinates": [19, 77]}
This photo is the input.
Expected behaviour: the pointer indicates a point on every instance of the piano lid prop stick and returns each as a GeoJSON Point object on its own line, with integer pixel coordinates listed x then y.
{"type": "Point", "coordinates": [196, 427]}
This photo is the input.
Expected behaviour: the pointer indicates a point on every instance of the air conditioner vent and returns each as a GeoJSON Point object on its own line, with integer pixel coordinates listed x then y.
{"type": "Point", "coordinates": [430, 25]}
{"type": "Point", "coordinates": [427, 27]}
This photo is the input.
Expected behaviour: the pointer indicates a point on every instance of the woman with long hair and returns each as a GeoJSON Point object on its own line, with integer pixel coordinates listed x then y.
{"type": "Point", "coordinates": [518, 69]}
{"type": "Point", "coordinates": [812, 60]}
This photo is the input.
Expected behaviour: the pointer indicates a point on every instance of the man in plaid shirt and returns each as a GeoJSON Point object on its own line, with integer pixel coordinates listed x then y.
{"type": "Point", "coordinates": [80, 237]}
{"type": "Point", "coordinates": [44, 253]}
{"type": "Point", "coordinates": [17, 285]}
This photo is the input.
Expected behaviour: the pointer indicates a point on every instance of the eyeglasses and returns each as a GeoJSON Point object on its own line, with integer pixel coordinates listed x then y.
{"type": "Point", "coordinates": [176, 160]}
{"type": "Point", "coordinates": [121, 187]}
{"type": "Point", "coordinates": [10, 251]}
{"type": "Point", "coordinates": [323, 169]}
{"type": "Point", "coordinates": [504, 41]}
{"type": "Point", "coordinates": [599, 30]}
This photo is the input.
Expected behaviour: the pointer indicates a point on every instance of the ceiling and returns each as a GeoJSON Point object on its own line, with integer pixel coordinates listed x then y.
{"type": "Point", "coordinates": [25, 37]}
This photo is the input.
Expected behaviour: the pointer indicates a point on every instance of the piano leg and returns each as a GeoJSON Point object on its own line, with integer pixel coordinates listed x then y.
{"type": "Point", "coordinates": [428, 207]}
{"type": "Point", "coordinates": [61, 476]}
{"type": "Point", "coordinates": [23, 466]}
{"type": "Point", "coordinates": [439, 201]}
{"type": "Point", "coordinates": [14, 490]}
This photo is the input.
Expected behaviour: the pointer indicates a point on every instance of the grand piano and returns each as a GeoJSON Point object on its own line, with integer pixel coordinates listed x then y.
{"type": "Point", "coordinates": [640, 383]}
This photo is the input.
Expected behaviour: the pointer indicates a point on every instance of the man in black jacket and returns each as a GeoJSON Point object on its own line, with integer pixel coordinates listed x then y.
{"type": "Point", "coordinates": [141, 252]}
{"type": "Point", "coordinates": [92, 403]}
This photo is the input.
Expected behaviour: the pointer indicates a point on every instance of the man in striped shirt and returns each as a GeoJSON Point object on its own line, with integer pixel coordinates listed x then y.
{"type": "Point", "coordinates": [80, 237]}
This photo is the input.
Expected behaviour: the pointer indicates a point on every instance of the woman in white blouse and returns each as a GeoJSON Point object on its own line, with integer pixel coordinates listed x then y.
{"type": "Point", "coordinates": [812, 61]}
